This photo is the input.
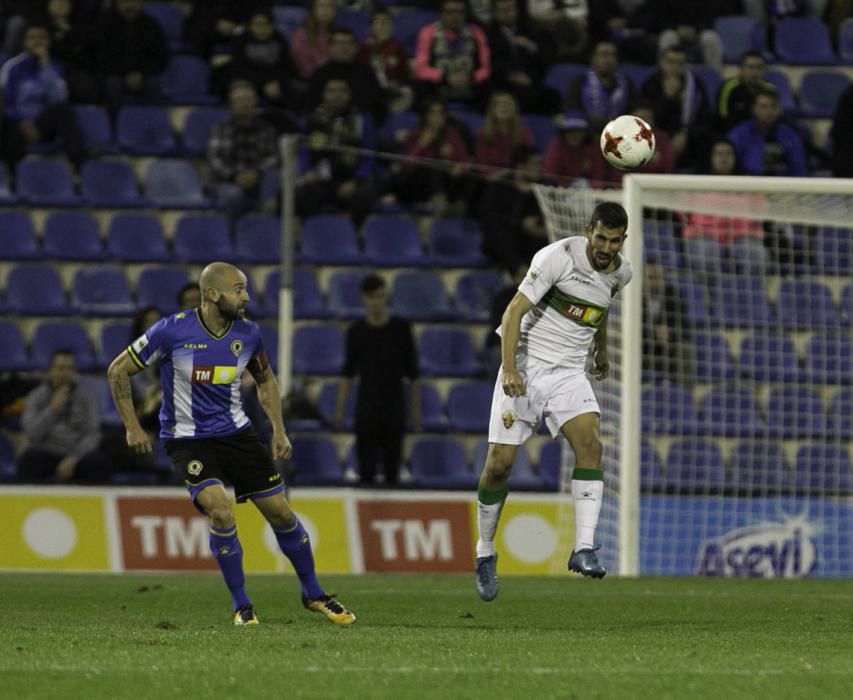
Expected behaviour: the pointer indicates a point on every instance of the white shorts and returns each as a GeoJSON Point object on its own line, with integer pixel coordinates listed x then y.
{"type": "Point", "coordinates": [557, 393]}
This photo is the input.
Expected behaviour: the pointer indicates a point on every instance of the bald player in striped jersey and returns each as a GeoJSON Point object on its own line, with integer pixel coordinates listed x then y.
{"type": "Point", "coordinates": [202, 354]}
{"type": "Point", "coordinates": [560, 308]}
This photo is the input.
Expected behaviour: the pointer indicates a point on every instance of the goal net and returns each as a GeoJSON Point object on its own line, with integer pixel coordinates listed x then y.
{"type": "Point", "coordinates": [727, 415]}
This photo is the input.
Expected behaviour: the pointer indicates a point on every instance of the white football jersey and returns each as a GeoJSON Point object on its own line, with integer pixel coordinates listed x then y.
{"type": "Point", "coordinates": [570, 300]}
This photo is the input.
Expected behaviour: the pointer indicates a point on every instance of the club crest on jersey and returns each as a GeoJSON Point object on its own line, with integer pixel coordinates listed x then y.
{"type": "Point", "coordinates": [195, 467]}
{"type": "Point", "coordinates": [509, 419]}
{"type": "Point", "coordinates": [236, 347]}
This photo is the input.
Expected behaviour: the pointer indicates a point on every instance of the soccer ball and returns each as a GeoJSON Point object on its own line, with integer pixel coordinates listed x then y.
{"type": "Point", "coordinates": [627, 142]}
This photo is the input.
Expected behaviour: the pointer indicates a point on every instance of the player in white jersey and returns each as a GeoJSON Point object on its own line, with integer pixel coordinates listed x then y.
{"type": "Point", "coordinates": [560, 308]}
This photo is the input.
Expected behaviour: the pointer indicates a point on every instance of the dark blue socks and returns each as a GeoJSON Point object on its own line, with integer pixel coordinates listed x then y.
{"type": "Point", "coordinates": [296, 545]}
{"type": "Point", "coordinates": [229, 555]}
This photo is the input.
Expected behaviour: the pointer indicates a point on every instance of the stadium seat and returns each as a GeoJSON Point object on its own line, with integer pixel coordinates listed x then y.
{"type": "Point", "coordinates": [440, 463]}
{"type": "Point", "coordinates": [330, 240]}
{"type": "Point", "coordinates": [803, 41]}
{"type": "Point", "coordinates": [759, 467]}
{"type": "Point", "coordinates": [318, 350]}
{"type": "Point", "coordinates": [170, 17]}
{"type": "Point", "coordinates": [8, 466]}
{"type": "Point", "coordinates": [144, 130]}
{"type": "Point", "coordinates": [357, 21]}
{"type": "Point", "coordinates": [447, 352]}
{"type": "Point", "coordinates": [559, 76]}
{"type": "Point", "coordinates": [819, 93]}
{"type": "Point", "coordinates": [549, 465]}
{"type": "Point", "coordinates": [637, 74]}
{"type": "Point", "coordinates": [667, 409]}
{"type": "Point", "coordinates": [269, 334]}
{"type": "Point", "coordinates": [99, 389]}
{"type": "Point", "coordinates": [258, 239]}
{"type": "Point", "coordinates": [845, 41]}
{"type": "Point", "coordinates": [805, 304]}
{"type": "Point", "coordinates": [829, 358]}
{"type": "Point", "coordinates": [114, 339]}
{"type": "Point", "coordinates": [184, 82]}
{"type": "Point", "coordinates": [729, 410]}
{"type": "Point", "coordinates": [457, 243]}
{"type": "Point", "coordinates": [433, 419]}
{"type": "Point", "coordinates": [659, 243]}
{"type": "Point", "coordinates": [200, 238]}
{"type": "Point", "coordinates": [840, 415]}
{"type": "Point", "coordinates": [471, 122]}
{"type": "Point", "coordinates": [395, 130]}
{"type": "Point", "coordinates": [712, 357]}
{"type": "Point", "coordinates": [845, 305]}
{"type": "Point", "coordinates": [286, 18]}
{"type": "Point", "coordinates": [197, 128]}
{"type": "Point", "coordinates": [94, 123]}
{"type": "Point", "coordinates": [393, 241]}
{"type": "Point", "coordinates": [739, 34]}
{"type": "Point", "coordinates": [159, 287]}
{"type": "Point", "coordinates": [17, 237]}
{"type": "Point", "coordinates": [475, 292]}
{"type": "Point", "coordinates": [824, 468]}
{"type": "Point", "coordinates": [469, 406]}
{"type": "Point", "coordinates": [710, 78]}
{"type": "Point", "coordinates": [45, 182]}
{"type": "Point", "coordinates": [109, 183]}
{"type": "Point", "coordinates": [543, 129]}
{"type": "Point", "coordinates": [13, 351]}
{"type": "Point", "coordinates": [327, 404]}
{"type": "Point", "coordinates": [136, 238]}
{"type": "Point", "coordinates": [742, 302]}
{"type": "Point", "coordinates": [795, 413]}
{"type": "Point", "coordinates": [833, 250]}
{"type": "Point", "coordinates": [696, 306]}
{"type": "Point", "coordinates": [271, 185]}
{"type": "Point", "coordinates": [101, 291]}
{"type": "Point", "coordinates": [6, 196]}
{"type": "Point", "coordinates": [35, 290]}
{"type": "Point", "coordinates": [651, 469]}
{"type": "Point", "coordinates": [315, 462]}
{"type": "Point", "coordinates": [174, 184]}
{"type": "Point", "coordinates": [408, 22]}
{"type": "Point", "coordinates": [768, 357]}
{"type": "Point", "coordinates": [72, 235]}
{"type": "Point", "coordinates": [345, 294]}
{"type": "Point", "coordinates": [420, 296]}
{"type": "Point", "coordinates": [307, 297]}
{"type": "Point", "coordinates": [522, 477]}
{"type": "Point", "coordinates": [783, 87]}
{"type": "Point", "coordinates": [694, 466]}
{"type": "Point", "coordinates": [50, 336]}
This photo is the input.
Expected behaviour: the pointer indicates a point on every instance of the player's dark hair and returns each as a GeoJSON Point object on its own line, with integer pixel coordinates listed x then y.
{"type": "Point", "coordinates": [752, 53]}
{"type": "Point", "coordinates": [371, 283]}
{"type": "Point", "coordinates": [610, 214]}
{"type": "Point", "coordinates": [766, 92]}
{"type": "Point", "coordinates": [380, 10]}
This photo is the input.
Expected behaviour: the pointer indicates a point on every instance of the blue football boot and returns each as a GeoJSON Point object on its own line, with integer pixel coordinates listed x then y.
{"type": "Point", "coordinates": [487, 577]}
{"type": "Point", "coordinates": [585, 562]}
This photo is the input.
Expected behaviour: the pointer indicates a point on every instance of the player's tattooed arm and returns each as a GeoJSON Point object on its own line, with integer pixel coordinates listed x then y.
{"type": "Point", "coordinates": [120, 385]}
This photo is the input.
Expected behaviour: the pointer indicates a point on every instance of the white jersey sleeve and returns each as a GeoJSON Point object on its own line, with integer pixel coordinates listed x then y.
{"type": "Point", "coordinates": [547, 267]}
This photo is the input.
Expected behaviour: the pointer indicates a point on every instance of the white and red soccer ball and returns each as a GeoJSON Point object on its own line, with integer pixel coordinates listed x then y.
{"type": "Point", "coordinates": [627, 142]}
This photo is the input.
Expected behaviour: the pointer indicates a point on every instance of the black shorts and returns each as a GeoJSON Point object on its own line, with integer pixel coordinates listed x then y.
{"type": "Point", "coordinates": [240, 460]}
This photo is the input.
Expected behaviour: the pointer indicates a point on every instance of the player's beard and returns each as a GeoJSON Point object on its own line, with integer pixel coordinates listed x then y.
{"type": "Point", "coordinates": [599, 262]}
{"type": "Point", "coordinates": [230, 312]}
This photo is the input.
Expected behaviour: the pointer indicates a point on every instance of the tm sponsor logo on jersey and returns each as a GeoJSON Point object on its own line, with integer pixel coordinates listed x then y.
{"type": "Point", "coordinates": [217, 374]}
{"type": "Point", "coordinates": [766, 550]}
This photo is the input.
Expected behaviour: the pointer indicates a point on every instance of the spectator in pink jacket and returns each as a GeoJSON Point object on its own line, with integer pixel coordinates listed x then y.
{"type": "Point", "coordinates": [309, 44]}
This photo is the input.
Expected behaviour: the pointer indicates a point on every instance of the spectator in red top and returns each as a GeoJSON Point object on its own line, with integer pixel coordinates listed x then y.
{"type": "Point", "coordinates": [309, 44]}
{"type": "Point", "coordinates": [389, 60]}
{"type": "Point", "coordinates": [573, 156]}
{"type": "Point", "coordinates": [663, 161]}
{"type": "Point", "coordinates": [452, 57]}
{"type": "Point", "coordinates": [501, 133]}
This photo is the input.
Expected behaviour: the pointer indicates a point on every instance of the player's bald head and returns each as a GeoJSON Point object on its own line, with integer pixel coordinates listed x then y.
{"type": "Point", "coordinates": [219, 276]}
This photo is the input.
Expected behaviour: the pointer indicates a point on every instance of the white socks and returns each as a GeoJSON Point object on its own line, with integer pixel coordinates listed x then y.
{"type": "Point", "coordinates": [587, 496]}
{"type": "Point", "coordinates": [487, 525]}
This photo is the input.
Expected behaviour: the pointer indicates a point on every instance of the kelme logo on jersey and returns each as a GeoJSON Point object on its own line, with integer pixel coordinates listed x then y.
{"type": "Point", "coordinates": [218, 374]}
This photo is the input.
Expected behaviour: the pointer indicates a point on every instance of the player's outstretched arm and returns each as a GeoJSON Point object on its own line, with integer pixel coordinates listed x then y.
{"type": "Point", "coordinates": [513, 384]}
{"type": "Point", "coordinates": [601, 364]}
{"type": "Point", "coordinates": [271, 403]}
{"type": "Point", "coordinates": [118, 374]}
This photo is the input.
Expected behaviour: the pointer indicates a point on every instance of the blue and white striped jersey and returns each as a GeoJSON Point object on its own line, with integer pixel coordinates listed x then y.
{"type": "Point", "coordinates": [200, 373]}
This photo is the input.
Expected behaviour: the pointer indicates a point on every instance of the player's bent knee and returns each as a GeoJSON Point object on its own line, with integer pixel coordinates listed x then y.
{"type": "Point", "coordinates": [499, 461]}
{"type": "Point", "coordinates": [221, 515]}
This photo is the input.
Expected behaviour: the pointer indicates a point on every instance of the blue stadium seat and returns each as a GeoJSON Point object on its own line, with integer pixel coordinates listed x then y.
{"type": "Point", "coordinates": [99, 389]}
{"type": "Point", "coordinates": [395, 130]}
{"type": "Point", "coordinates": [184, 82]}
{"type": "Point", "coordinates": [8, 466]}
{"type": "Point", "coordinates": [739, 34]}
{"type": "Point", "coordinates": [759, 467]}
{"type": "Point", "coordinates": [784, 90]}
{"type": "Point", "coordinates": [17, 237]}
{"type": "Point", "coordinates": [307, 297]}
{"type": "Point", "coordinates": [159, 287]}
{"type": "Point", "coordinates": [6, 195]}
{"type": "Point", "coordinates": [45, 182]}
{"type": "Point", "coordinates": [327, 404]}
{"type": "Point", "coordinates": [288, 18]}
{"type": "Point", "coordinates": [457, 243]}
{"type": "Point", "coordinates": [829, 358]}
{"type": "Point", "coordinates": [35, 290]}
{"type": "Point", "coordinates": [805, 304]}
{"type": "Point", "coordinates": [94, 123]}
{"type": "Point", "coordinates": [420, 296]}
{"type": "Point", "coordinates": [730, 410]}
{"type": "Point", "coordinates": [803, 41]}
{"type": "Point", "coordinates": [440, 463]}
{"type": "Point", "coordinates": [200, 238]}
{"type": "Point", "coordinates": [667, 409]}
{"type": "Point", "coordinates": [659, 243]}
{"type": "Point", "coordinates": [768, 357]}
{"type": "Point", "coordinates": [269, 334]}
{"type": "Point", "coordinates": [13, 350]}
{"type": "Point", "coordinates": [408, 22]}
{"type": "Point", "coordinates": [795, 413]}
{"type": "Point", "coordinates": [833, 250]}
{"type": "Point", "coordinates": [840, 415]}
{"type": "Point", "coordinates": [170, 17]}
{"type": "Point", "coordinates": [819, 93]}
{"type": "Point", "coordinates": [72, 235]}
{"type": "Point", "coordinates": [330, 240]}
{"type": "Point", "coordinates": [101, 291]}
{"type": "Point", "coordinates": [345, 294]}
{"type": "Point", "coordinates": [696, 306]}
{"type": "Point", "coordinates": [50, 336]}
{"type": "Point", "coordinates": [713, 358]}
{"type": "Point", "coordinates": [315, 462]}
{"type": "Point", "coordinates": [742, 302]}
{"type": "Point", "coordinates": [469, 406]}
{"type": "Point", "coordinates": [474, 294]}
{"type": "Point", "coordinates": [543, 129]}
{"type": "Point", "coordinates": [694, 466]}
{"type": "Point", "coordinates": [136, 238]}
{"type": "Point", "coordinates": [109, 183]}
{"type": "Point", "coordinates": [393, 241]}
{"type": "Point", "coordinates": [433, 419]}
{"type": "Point", "coordinates": [710, 78]}
{"type": "Point", "coordinates": [144, 130]}
{"type": "Point", "coordinates": [560, 75]}
{"type": "Point", "coordinates": [822, 467]}
{"type": "Point", "coordinates": [318, 350]}
{"type": "Point", "coordinates": [271, 185]}
{"type": "Point", "coordinates": [447, 352]}
{"type": "Point", "coordinates": [470, 121]}
{"type": "Point", "coordinates": [357, 21]}
{"type": "Point", "coordinates": [114, 339]}
{"type": "Point", "coordinates": [197, 127]}
{"type": "Point", "coordinates": [522, 477]}
{"type": "Point", "coordinates": [258, 239]}
{"type": "Point", "coordinates": [845, 305]}
{"type": "Point", "coordinates": [550, 464]}
{"type": "Point", "coordinates": [174, 184]}
{"type": "Point", "coordinates": [845, 41]}
{"type": "Point", "coordinates": [651, 468]}
{"type": "Point", "coordinates": [637, 73]}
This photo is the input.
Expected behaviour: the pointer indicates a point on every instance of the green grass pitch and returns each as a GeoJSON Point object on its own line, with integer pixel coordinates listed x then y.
{"type": "Point", "coordinates": [418, 636]}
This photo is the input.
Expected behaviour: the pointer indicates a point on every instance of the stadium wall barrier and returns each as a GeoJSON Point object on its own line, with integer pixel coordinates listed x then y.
{"type": "Point", "coordinates": [354, 531]}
